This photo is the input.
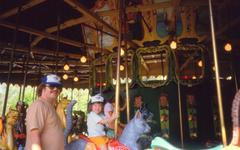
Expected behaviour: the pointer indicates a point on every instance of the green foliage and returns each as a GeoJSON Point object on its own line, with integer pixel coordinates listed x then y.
{"type": "Point", "coordinates": [81, 95]}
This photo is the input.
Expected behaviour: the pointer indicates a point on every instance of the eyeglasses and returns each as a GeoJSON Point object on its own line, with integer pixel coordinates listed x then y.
{"type": "Point", "coordinates": [52, 87]}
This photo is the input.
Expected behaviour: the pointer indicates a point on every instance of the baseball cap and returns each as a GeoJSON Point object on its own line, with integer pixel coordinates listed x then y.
{"type": "Point", "coordinates": [52, 80]}
{"type": "Point", "coordinates": [97, 99]}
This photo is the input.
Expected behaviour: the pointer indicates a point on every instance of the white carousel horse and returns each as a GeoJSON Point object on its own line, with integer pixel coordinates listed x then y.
{"type": "Point", "coordinates": [162, 143]}
{"type": "Point", "coordinates": [235, 143]}
{"type": "Point", "coordinates": [136, 127]}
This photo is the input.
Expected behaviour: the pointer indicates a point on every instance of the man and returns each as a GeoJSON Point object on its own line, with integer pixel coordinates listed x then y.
{"type": "Point", "coordinates": [138, 102]}
{"type": "Point", "coordinates": [44, 130]}
{"type": "Point", "coordinates": [164, 115]}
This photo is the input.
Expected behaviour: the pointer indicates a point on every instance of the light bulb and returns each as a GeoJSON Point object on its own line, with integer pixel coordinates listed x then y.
{"type": "Point", "coordinates": [121, 67]}
{"type": "Point", "coordinates": [228, 47]}
{"type": "Point", "coordinates": [194, 77]}
{"type": "Point", "coordinates": [173, 45]}
{"type": "Point", "coordinates": [200, 63]}
{"type": "Point", "coordinates": [65, 76]}
{"type": "Point", "coordinates": [66, 67]}
{"type": "Point", "coordinates": [75, 79]}
{"type": "Point", "coordinates": [122, 52]}
{"type": "Point", "coordinates": [213, 68]}
{"type": "Point", "coordinates": [83, 59]}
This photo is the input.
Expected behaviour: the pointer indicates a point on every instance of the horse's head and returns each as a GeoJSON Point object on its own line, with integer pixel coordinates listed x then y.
{"type": "Point", "coordinates": [140, 123]}
{"type": "Point", "coordinates": [12, 116]}
{"type": "Point", "coordinates": [63, 103]}
{"type": "Point", "coordinates": [133, 130]}
{"type": "Point", "coordinates": [145, 113]}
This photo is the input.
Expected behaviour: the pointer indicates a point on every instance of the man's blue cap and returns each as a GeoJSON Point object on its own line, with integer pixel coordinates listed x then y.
{"type": "Point", "coordinates": [52, 80]}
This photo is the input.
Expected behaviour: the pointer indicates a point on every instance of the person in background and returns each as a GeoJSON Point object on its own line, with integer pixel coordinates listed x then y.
{"type": "Point", "coordinates": [192, 115]}
{"type": "Point", "coordinates": [138, 102]}
{"type": "Point", "coordinates": [44, 130]}
{"type": "Point", "coordinates": [96, 122]}
{"type": "Point", "coordinates": [164, 115]}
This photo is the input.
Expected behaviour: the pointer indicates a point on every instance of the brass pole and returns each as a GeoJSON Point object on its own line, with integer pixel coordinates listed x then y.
{"type": "Point", "coordinates": [127, 85]}
{"type": "Point", "coordinates": [218, 85]}
{"type": "Point", "coordinates": [126, 64]}
{"type": "Point", "coordinates": [117, 92]}
{"type": "Point", "coordinates": [180, 113]}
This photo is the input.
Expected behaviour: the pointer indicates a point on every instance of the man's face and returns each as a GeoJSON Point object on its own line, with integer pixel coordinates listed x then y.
{"type": "Point", "coordinates": [163, 101]}
{"type": "Point", "coordinates": [138, 101]}
{"type": "Point", "coordinates": [51, 92]}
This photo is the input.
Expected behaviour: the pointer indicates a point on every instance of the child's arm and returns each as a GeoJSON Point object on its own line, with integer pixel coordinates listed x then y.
{"type": "Point", "coordinates": [109, 120]}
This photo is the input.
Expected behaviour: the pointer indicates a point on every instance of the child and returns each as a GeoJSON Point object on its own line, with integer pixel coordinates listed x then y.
{"type": "Point", "coordinates": [96, 122]}
{"type": "Point", "coordinates": [108, 112]}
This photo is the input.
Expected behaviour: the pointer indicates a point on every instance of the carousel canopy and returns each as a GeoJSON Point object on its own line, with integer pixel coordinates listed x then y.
{"type": "Point", "coordinates": [40, 36]}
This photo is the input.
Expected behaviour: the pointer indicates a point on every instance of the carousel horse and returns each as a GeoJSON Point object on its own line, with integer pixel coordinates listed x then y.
{"type": "Point", "coordinates": [7, 142]}
{"type": "Point", "coordinates": [235, 143]}
{"type": "Point", "coordinates": [128, 140]}
{"type": "Point", "coordinates": [20, 126]}
{"type": "Point", "coordinates": [159, 142]}
{"type": "Point", "coordinates": [61, 106]}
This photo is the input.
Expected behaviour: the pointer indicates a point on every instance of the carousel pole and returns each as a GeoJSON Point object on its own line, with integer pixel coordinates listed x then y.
{"type": "Point", "coordinates": [101, 69]}
{"type": "Point", "coordinates": [180, 113]}
{"type": "Point", "coordinates": [10, 67]}
{"type": "Point", "coordinates": [127, 85]}
{"type": "Point", "coordinates": [34, 93]}
{"type": "Point", "coordinates": [126, 67]}
{"type": "Point", "coordinates": [117, 92]}
{"type": "Point", "coordinates": [58, 36]}
{"type": "Point", "coordinates": [218, 85]}
{"type": "Point", "coordinates": [234, 72]}
{"type": "Point", "coordinates": [26, 68]}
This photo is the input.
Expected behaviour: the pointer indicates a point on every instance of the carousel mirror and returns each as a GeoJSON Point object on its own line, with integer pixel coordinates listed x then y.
{"type": "Point", "coordinates": [113, 68]}
{"type": "Point", "coordinates": [190, 64]}
{"type": "Point", "coordinates": [153, 65]}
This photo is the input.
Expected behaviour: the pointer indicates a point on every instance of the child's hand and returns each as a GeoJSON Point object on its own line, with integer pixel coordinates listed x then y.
{"type": "Point", "coordinates": [114, 115]}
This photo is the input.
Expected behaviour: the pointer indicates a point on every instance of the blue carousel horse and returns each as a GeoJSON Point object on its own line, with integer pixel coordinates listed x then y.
{"type": "Point", "coordinates": [133, 130]}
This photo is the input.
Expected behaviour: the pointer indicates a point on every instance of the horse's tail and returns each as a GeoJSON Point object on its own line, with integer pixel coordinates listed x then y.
{"type": "Point", "coordinates": [235, 118]}
{"type": "Point", "coordinates": [69, 121]}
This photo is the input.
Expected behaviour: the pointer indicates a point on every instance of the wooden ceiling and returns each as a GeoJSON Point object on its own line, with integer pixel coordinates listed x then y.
{"type": "Point", "coordinates": [46, 32]}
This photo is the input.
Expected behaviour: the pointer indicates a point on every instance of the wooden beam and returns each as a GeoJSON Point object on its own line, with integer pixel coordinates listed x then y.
{"type": "Point", "coordinates": [79, 7]}
{"type": "Point", "coordinates": [39, 51]}
{"type": "Point", "coordinates": [66, 24]}
{"type": "Point", "coordinates": [48, 35]}
{"type": "Point", "coordinates": [81, 72]}
{"type": "Point", "coordinates": [14, 11]}
{"type": "Point", "coordinates": [77, 21]}
{"type": "Point", "coordinates": [144, 64]}
{"type": "Point", "coordinates": [224, 29]}
{"type": "Point", "coordinates": [49, 63]}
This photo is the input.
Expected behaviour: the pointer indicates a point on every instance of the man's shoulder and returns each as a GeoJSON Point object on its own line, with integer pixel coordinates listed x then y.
{"type": "Point", "coordinates": [37, 103]}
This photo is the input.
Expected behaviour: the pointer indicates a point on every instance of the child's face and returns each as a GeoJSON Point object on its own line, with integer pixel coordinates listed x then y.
{"type": "Point", "coordinates": [97, 107]}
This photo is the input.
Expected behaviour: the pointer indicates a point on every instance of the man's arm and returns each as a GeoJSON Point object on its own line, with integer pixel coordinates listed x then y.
{"type": "Point", "coordinates": [35, 139]}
